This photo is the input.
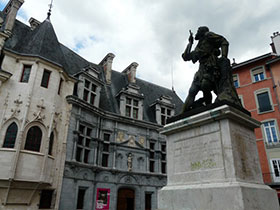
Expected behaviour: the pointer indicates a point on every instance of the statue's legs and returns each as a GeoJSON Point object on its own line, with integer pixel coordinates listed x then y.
{"type": "Point", "coordinates": [191, 96]}
{"type": "Point", "coordinates": [207, 96]}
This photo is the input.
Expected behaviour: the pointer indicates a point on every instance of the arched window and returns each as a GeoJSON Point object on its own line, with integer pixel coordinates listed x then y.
{"type": "Point", "coordinates": [33, 139]}
{"type": "Point", "coordinates": [51, 144]}
{"type": "Point", "coordinates": [11, 135]}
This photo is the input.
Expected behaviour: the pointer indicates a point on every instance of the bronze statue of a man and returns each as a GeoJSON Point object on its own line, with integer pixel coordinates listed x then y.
{"type": "Point", "coordinates": [214, 73]}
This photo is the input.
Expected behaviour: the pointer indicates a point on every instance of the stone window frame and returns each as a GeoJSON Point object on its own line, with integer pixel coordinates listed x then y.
{"type": "Point", "coordinates": [265, 133]}
{"type": "Point", "coordinates": [275, 171]}
{"type": "Point", "coordinates": [89, 91]}
{"type": "Point", "coordinates": [133, 105]}
{"type": "Point", "coordinates": [24, 69]}
{"type": "Point", "coordinates": [260, 91]}
{"type": "Point", "coordinates": [83, 144]}
{"type": "Point", "coordinates": [257, 71]}
{"type": "Point", "coordinates": [28, 144]}
{"type": "Point", "coordinates": [237, 80]}
{"type": "Point", "coordinates": [7, 140]}
{"type": "Point", "coordinates": [46, 78]}
{"type": "Point", "coordinates": [164, 115]}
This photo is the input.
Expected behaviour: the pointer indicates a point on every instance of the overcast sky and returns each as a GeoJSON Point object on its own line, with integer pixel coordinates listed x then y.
{"type": "Point", "coordinates": [154, 33]}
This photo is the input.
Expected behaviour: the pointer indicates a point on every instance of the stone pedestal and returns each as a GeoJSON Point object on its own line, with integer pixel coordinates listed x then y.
{"type": "Point", "coordinates": [213, 164]}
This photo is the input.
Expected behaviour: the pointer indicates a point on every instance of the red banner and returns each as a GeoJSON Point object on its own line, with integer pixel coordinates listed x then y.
{"type": "Point", "coordinates": [102, 199]}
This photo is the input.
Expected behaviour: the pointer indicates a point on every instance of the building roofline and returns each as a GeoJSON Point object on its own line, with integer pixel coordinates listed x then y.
{"type": "Point", "coordinates": [235, 66]}
{"type": "Point", "coordinates": [274, 60]}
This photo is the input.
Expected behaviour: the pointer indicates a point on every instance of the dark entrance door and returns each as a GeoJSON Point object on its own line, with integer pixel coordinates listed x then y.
{"type": "Point", "coordinates": [126, 199]}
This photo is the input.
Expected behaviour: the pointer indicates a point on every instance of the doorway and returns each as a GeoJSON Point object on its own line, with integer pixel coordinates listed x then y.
{"type": "Point", "coordinates": [126, 199]}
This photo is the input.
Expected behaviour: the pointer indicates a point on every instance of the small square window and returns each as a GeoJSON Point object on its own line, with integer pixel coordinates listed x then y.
{"type": "Point", "coordinates": [258, 74]}
{"type": "Point", "coordinates": [45, 79]}
{"type": "Point", "coordinates": [128, 100]}
{"type": "Point", "coordinates": [106, 137]}
{"type": "Point", "coordinates": [25, 73]}
{"type": "Point", "coordinates": [135, 103]}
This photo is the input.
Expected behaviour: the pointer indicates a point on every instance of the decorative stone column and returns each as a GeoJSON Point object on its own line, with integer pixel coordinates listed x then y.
{"type": "Point", "coordinates": [213, 164]}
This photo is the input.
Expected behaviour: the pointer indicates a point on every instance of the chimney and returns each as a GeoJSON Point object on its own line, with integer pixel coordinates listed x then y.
{"type": "Point", "coordinates": [33, 23]}
{"type": "Point", "coordinates": [131, 72]}
{"type": "Point", "coordinates": [106, 63]}
{"type": "Point", "coordinates": [276, 42]}
{"type": "Point", "coordinates": [11, 10]}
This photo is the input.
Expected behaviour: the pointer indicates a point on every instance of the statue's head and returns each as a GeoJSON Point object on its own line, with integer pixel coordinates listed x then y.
{"type": "Point", "coordinates": [201, 31]}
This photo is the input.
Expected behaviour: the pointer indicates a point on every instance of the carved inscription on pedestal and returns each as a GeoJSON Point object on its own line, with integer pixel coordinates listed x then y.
{"type": "Point", "coordinates": [200, 152]}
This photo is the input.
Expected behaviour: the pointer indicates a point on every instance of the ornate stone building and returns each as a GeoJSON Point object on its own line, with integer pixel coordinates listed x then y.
{"type": "Point", "coordinates": [73, 134]}
{"type": "Point", "coordinates": [114, 147]}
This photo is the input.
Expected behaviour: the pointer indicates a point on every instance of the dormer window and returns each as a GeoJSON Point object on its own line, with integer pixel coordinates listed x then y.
{"type": "Point", "coordinates": [164, 109]}
{"type": "Point", "coordinates": [132, 108]}
{"type": "Point", "coordinates": [165, 114]}
{"type": "Point", "coordinates": [89, 93]}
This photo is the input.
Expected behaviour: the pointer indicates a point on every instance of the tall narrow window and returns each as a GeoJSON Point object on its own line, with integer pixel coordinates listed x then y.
{"type": "Point", "coordinates": [45, 79]}
{"type": "Point", "coordinates": [51, 144]}
{"type": "Point", "coordinates": [270, 132]}
{"type": "Point", "coordinates": [163, 158]}
{"type": "Point", "coordinates": [80, 198]}
{"type": "Point", "coordinates": [152, 157]}
{"type": "Point", "coordinates": [60, 86]}
{"type": "Point", "coordinates": [83, 144]}
{"type": "Point", "coordinates": [33, 139]}
{"type": "Point", "coordinates": [11, 135]}
{"type": "Point", "coordinates": [105, 152]}
{"type": "Point", "coordinates": [264, 102]}
{"type": "Point", "coordinates": [25, 73]}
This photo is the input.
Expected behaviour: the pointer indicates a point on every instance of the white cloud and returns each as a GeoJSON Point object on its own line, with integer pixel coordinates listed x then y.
{"type": "Point", "coordinates": [154, 33]}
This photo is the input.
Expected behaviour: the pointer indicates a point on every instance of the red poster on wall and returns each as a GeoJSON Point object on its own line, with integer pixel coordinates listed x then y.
{"type": "Point", "coordinates": [102, 199]}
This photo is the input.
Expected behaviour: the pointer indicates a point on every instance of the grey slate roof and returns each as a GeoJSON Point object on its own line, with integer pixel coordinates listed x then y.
{"type": "Point", "coordinates": [42, 42]}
